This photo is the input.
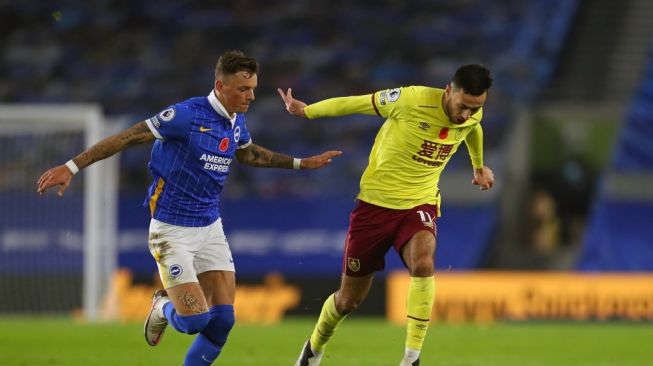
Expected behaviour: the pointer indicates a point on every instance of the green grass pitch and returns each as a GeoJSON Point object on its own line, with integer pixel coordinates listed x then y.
{"type": "Point", "coordinates": [358, 342]}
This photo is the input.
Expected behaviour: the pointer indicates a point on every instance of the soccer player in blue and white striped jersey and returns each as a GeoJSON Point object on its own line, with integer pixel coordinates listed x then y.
{"type": "Point", "coordinates": [196, 141]}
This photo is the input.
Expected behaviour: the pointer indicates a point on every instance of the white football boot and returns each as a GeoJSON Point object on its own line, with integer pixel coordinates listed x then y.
{"type": "Point", "coordinates": [156, 322]}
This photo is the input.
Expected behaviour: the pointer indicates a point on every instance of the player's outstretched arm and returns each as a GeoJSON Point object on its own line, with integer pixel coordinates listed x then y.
{"type": "Point", "coordinates": [62, 175]}
{"type": "Point", "coordinates": [483, 177]}
{"type": "Point", "coordinates": [332, 107]}
{"type": "Point", "coordinates": [259, 156]}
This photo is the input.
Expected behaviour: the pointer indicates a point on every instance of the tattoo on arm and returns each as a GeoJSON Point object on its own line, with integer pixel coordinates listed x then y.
{"type": "Point", "coordinates": [193, 303]}
{"type": "Point", "coordinates": [136, 134]}
{"type": "Point", "coordinates": [259, 156]}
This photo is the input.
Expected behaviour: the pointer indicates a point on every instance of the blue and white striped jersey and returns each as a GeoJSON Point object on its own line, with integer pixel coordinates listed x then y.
{"type": "Point", "coordinates": [196, 142]}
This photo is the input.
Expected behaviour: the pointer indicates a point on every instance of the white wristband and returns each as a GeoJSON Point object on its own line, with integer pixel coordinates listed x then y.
{"type": "Point", "coordinates": [296, 163]}
{"type": "Point", "coordinates": [72, 166]}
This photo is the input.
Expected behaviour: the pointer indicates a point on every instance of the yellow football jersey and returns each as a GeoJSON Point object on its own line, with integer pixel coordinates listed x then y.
{"type": "Point", "coordinates": [412, 147]}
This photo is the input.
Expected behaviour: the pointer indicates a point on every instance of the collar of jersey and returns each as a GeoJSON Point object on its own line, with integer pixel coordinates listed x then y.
{"type": "Point", "coordinates": [219, 108]}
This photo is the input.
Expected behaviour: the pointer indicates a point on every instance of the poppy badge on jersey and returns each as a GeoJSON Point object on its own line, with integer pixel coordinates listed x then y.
{"type": "Point", "coordinates": [224, 144]}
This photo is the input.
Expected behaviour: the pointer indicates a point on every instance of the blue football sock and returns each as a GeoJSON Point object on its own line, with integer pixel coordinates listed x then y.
{"type": "Point", "coordinates": [208, 344]}
{"type": "Point", "coordinates": [189, 324]}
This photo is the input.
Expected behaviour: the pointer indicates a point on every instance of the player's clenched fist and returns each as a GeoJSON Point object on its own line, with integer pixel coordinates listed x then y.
{"type": "Point", "coordinates": [483, 177]}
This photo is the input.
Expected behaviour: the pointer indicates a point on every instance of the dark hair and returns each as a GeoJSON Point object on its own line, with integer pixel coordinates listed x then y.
{"type": "Point", "coordinates": [474, 79]}
{"type": "Point", "coordinates": [234, 61]}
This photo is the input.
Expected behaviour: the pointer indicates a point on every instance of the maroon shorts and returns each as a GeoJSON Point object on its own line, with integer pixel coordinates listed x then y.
{"type": "Point", "coordinates": [373, 230]}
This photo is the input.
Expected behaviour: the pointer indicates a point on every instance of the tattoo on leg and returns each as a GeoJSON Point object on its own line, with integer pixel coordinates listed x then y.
{"type": "Point", "coordinates": [193, 303]}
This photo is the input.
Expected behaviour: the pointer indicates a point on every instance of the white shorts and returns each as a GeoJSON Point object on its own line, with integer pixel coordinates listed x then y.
{"type": "Point", "coordinates": [181, 253]}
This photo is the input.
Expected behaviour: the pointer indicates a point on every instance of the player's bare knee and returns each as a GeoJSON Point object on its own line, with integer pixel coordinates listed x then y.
{"type": "Point", "coordinates": [422, 267]}
{"type": "Point", "coordinates": [346, 305]}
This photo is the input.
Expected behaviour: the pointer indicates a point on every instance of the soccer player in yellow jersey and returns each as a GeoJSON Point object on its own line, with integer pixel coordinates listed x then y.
{"type": "Point", "coordinates": [399, 199]}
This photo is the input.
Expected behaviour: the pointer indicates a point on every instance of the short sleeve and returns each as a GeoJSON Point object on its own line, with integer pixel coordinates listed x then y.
{"type": "Point", "coordinates": [242, 134]}
{"type": "Point", "coordinates": [172, 122]}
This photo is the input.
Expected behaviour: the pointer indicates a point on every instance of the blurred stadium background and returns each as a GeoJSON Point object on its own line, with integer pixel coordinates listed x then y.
{"type": "Point", "coordinates": [565, 236]}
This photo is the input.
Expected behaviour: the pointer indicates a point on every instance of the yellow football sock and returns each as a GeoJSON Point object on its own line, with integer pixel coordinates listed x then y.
{"type": "Point", "coordinates": [421, 292]}
{"type": "Point", "coordinates": [326, 325]}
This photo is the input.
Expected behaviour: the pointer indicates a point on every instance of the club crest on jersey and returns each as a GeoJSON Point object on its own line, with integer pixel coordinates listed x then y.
{"type": "Point", "coordinates": [224, 144]}
{"type": "Point", "coordinates": [167, 115]}
{"type": "Point", "coordinates": [237, 134]}
{"type": "Point", "coordinates": [354, 264]}
{"type": "Point", "coordinates": [444, 132]}
{"type": "Point", "coordinates": [459, 133]}
{"type": "Point", "coordinates": [175, 271]}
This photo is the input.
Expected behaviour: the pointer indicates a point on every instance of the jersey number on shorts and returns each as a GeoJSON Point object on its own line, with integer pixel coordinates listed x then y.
{"type": "Point", "coordinates": [426, 218]}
